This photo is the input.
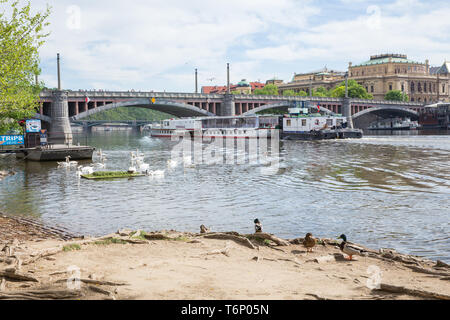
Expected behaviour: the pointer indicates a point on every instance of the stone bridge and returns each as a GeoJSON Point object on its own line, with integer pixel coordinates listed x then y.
{"type": "Point", "coordinates": [77, 105]}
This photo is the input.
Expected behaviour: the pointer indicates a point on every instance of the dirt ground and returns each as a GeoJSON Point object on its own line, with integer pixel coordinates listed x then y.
{"type": "Point", "coordinates": [174, 265]}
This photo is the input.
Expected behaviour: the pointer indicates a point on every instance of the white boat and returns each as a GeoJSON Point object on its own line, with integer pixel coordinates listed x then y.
{"type": "Point", "coordinates": [394, 124]}
{"type": "Point", "coordinates": [211, 127]}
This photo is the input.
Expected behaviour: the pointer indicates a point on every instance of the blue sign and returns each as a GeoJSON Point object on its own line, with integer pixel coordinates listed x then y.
{"type": "Point", "coordinates": [12, 140]}
{"type": "Point", "coordinates": [33, 125]}
{"type": "Point", "coordinates": [43, 135]}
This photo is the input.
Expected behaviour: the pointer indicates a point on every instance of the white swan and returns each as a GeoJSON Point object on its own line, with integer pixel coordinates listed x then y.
{"type": "Point", "coordinates": [155, 173]}
{"type": "Point", "coordinates": [67, 163]}
{"type": "Point", "coordinates": [85, 170]}
{"type": "Point", "coordinates": [172, 163]}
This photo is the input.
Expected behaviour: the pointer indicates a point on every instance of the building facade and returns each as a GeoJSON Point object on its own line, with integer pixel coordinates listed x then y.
{"type": "Point", "coordinates": [386, 72]}
{"type": "Point", "coordinates": [325, 78]}
{"type": "Point", "coordinates": [381, 74]}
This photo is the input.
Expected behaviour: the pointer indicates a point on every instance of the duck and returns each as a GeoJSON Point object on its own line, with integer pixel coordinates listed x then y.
{"type": "Point", "coordinates": [350, 249]}
{"type": "Point", "coordinates": [309, 242]}
{"type": "Point", "coordinates": [204, 229]}
{"type": "Point", "coordinates": [258, 225]}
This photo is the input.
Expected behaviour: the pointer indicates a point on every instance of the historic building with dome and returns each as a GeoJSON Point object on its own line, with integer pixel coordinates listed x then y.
{"type": "Point", "coordinates": [381, 74]}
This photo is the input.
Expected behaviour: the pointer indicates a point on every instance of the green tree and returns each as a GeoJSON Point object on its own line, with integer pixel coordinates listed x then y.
{"type": "Point", "coordinates": [21, 35]}
{"type": "Point", "coordinates": [289, 93]}
{"type": "Point", "coordinates": [396, 95]}
{"type": "Point", "coordinates": [320, 92]}
{"type": "Point", "coordinates": [302, 93]}
{"type": "Point", "coordinates": [269, 89]}
{"type": "Point", "coordinates": [355, 90]}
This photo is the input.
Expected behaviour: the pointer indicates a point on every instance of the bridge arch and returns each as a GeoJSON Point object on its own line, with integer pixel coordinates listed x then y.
{"type": "Point", "coordinates": [174, 108]}
{"type": "Point", "coordinates": [283, 104]}
{"type": "Point", "coordinates": [387, 109]}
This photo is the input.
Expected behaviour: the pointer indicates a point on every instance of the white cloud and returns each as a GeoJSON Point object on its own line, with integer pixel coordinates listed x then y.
{"type": "Point", "coordinates": [156, 45]}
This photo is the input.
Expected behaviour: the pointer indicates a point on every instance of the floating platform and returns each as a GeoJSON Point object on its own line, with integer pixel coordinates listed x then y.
{"type": "Point", "coordinates": [111, 175]}
{"type": "Point", "coordinates": [56, 153]}
{"type": "Point", "coordinates": [324, 134]}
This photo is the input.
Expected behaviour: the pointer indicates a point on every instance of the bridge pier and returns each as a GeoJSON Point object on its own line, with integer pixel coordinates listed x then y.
{"type": "Point", "coordinates": [228, 108]}
{"type": "Point", "coordinates": [60, 130]}
{"type": "Point", "coordinates": [347, 111]}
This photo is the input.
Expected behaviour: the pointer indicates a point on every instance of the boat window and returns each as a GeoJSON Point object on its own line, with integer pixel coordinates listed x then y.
{"type": "Point", "coordinates": [288, 123]}
{"type": "Point", "coordinates": [329, 122]}
{"type": "Point", "coordinates": [303, 122]}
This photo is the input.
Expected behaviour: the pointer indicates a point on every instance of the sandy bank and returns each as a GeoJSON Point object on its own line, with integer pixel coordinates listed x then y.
{"type": "Point", "coordinates": [174, 265]}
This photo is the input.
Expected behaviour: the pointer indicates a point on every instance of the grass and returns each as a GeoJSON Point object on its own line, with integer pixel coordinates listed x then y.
{"type": "Point", "coordinates": [110, 175]}
{"type": "Point", "coordinates": [110, 241]}
{"type": "Point", "coordinates": [71, 247]}
{"type": "Point", "coordinates": [181, 238]}
{"type": "Point", "coordinates": [140, 236]}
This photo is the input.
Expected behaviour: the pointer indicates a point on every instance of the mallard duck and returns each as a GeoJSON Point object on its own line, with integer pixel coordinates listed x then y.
{"type": "Point", "coordinates": [350, 249]}
{"type": "Point", "coordinates": [258, 225]}
{"type": "Point", "coordinates": [309, 242]}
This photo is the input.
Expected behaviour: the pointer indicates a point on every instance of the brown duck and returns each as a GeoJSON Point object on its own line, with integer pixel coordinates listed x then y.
{"type": "Point", "coordinates": [309, 242]}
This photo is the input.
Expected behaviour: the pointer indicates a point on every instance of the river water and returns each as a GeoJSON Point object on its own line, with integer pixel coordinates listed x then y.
{"type": "Point", "coordinates": [388, 191]}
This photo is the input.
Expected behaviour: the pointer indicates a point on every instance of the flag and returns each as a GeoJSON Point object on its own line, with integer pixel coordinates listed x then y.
{"type": "Point", "coordinates": [87, 100]}
{"type": "Point", "coordinates": [318, 107]}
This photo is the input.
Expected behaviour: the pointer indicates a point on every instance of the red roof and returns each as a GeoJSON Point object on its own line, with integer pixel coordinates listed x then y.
{"type": "Point", "coordinates": [223, 89]}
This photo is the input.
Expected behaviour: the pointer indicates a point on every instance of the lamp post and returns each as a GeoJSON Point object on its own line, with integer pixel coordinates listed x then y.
{"type": "Point", "coordinates": [228, 78]}
{"type": "Point", "coordinates": [196, 81]}
{"type": "Point", "coordinates": [59, 71]}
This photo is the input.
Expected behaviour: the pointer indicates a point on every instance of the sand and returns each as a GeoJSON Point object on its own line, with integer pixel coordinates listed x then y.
{"type": "Point", "coordinates": [189, 266]}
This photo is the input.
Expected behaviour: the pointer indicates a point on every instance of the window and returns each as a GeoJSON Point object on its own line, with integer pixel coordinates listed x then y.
{"type": "Point", "coordinates": [390, 87]}
{"type": "Point", "coordinates": [303, 122]}
{"type": "Point", "coordinates": [288, 123]}
{"type": "Point", "coordinates": [403, 87]}
{"type": "Point", "coordinates": [412, 87]}
{"type": "Point", "coordinates": [424, 87]}
{"type": "Point", "coordinates": [329, 122]}
{"type": "Point", "coordinates": [443, 88]}
{"type": "Point", "coordinates": [419, 87]}
{"type": "Point", "coordinates": [372, 89]}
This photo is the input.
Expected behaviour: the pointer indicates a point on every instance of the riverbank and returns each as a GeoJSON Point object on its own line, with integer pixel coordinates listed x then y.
{"type": "Point", "coordinates": [180, 265]}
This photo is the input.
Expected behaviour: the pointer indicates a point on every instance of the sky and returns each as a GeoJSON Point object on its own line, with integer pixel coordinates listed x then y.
{"type": "Point", "coordinates": [156, 45]}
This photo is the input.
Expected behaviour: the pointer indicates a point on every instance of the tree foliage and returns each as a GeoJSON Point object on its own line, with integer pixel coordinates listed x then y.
{"type": "Point", "coordinates": [21, 35]}
{"type": "Point", "coordinates": [355, 90]}
{"type": "Point", "coordinates": [269, 89]}
{"type": "Point", "coordinates": [130, 113]}
{"type": "Point", "coordinates": [396, 95]}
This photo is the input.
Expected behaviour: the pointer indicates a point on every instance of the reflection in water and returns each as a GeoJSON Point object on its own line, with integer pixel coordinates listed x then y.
{"type": "Point", "coordinates": [382, 191]}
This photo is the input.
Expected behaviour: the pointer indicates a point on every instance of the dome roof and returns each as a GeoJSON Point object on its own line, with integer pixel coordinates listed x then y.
{"type": "Point", "coordinates": [243, 83]}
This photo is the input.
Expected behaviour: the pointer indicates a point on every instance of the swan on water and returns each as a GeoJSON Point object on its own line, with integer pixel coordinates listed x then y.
{"type": "Point", "coordinates": [85, 170]}
{"type": "Point", "coordinates": [67, 163]}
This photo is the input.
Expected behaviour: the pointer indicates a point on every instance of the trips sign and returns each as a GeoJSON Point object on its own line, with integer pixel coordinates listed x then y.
{"type": "Point", "coordinates": [11, 140]}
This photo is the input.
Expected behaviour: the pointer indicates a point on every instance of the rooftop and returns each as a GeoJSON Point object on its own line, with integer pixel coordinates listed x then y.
{"type": "Point", "coordinates": [387, 58]}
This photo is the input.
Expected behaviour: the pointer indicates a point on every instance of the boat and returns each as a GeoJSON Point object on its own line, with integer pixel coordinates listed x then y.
{"type": "Point", "coordinates": [394, 124]}
{"type": "Point", "coordinates": [212, 127]}
{"type": "Point", "coordinates": [300, 124]}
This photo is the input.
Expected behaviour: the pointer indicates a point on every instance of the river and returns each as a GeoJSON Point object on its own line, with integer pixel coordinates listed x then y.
{"type": "Point", "coordinates": [388, 191]}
